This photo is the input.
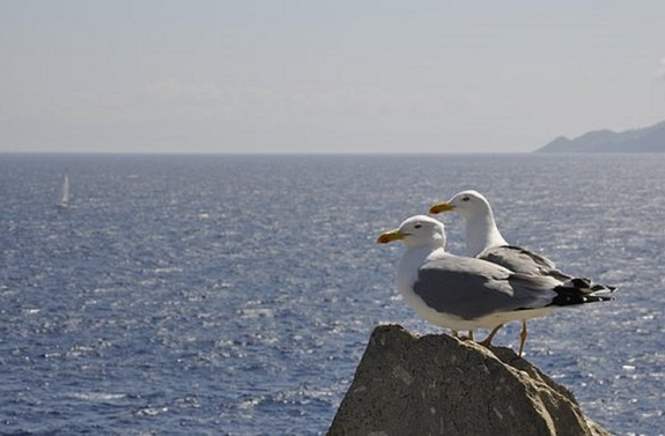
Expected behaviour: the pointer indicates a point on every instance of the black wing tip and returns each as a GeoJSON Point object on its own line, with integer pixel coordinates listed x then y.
{"type": "Point", "coordinates": [579, 282]}
{"type": "Point", "coordinates": [572, 296]}
{"type": "Point", "coordinates": [587, 285]}
{"type": "Point", "coordinates": [568, 300]}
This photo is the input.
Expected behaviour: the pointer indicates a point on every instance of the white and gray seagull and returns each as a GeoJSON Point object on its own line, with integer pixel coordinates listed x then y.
{"type": "Point", "coordinates": [484, 241]}
{"type": "Point", "coordinates": [465, 293]}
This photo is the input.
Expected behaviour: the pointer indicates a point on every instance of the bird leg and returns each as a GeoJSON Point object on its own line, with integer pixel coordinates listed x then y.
{"type": "Point", "coordinates": [487, 342]}
{"type": "Point", "coordinates": [523, 335]}
{"type": "Point", "coordinates": [462, 338]}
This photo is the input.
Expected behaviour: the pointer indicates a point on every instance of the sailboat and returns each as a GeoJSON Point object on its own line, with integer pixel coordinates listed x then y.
{"type": "Point", "coordinates": [64, 198]}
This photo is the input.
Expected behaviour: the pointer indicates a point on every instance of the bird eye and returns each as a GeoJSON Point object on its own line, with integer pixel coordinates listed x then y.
{"type": "Point", "coordinates": [417, 226]}
{"type": "Point", "coordinates": [465, 199]}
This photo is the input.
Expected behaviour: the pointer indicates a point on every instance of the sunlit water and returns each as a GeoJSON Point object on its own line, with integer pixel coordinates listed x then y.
{"type": "Point", "coordinates": [235, 295]}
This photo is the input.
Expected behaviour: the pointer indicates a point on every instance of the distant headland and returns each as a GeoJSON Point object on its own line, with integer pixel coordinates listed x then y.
{"type": "Point", "coordinates": [649, 139]}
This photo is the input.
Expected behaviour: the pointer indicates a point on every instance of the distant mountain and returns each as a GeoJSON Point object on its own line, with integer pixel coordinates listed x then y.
{"type": "Point", "coordinates": [645, 140]}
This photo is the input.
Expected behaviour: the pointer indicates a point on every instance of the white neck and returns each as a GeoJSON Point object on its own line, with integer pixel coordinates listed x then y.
{"type": "Point", "coordinates": [482, 233]}
{"type": "Point", "coordinates": [411, 260]}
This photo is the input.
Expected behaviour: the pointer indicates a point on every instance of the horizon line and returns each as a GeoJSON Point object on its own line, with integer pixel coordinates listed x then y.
{"type": "Point", "coordinates": [261, 153]}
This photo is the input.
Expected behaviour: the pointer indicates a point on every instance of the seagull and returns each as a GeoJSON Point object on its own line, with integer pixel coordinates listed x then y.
{"type": "Point", "coordinates": [466, 293]}
{"type": "Point", "coordinates": [484, 241]}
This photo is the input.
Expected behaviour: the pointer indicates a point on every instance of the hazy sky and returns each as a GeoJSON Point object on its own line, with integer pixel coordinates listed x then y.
{"type": "Point", "coordinates": [335, 76]}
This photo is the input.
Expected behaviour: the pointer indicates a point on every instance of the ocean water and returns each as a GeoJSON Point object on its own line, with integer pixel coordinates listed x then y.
{"type": "Point", "coordinates": [236, 294]}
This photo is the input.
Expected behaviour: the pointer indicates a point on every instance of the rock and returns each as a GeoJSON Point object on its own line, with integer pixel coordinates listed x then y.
{"type": "Point", "coordinates": [438, 385]}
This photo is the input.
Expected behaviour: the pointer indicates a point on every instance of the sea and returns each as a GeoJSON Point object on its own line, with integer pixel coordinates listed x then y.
{"type": "Point", "coordinates": [235, 295]}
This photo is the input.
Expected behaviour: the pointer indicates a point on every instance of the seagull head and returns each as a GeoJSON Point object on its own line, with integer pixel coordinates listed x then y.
{"type": "Point", "coordinates": [417, 231]}
{"type": "Point", "coordinates": [468, 203]}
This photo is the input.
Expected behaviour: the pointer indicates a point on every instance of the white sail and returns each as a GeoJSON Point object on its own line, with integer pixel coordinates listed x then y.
{"type": "Point", "coordinates": [64, 199]}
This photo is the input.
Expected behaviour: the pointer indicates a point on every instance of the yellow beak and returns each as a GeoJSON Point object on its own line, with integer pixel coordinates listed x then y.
{"type": "Point", "coordinates": [441, 207]}
{"type": "Point", "coordinates": [393, 235]}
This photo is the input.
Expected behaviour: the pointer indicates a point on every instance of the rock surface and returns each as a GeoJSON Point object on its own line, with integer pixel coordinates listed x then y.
{"type": "Point", "coordinates": [438, 385]}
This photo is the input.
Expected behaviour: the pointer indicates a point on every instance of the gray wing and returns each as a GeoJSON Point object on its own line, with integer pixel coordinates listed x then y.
{"type": "Point", "coordinates": [521, 260]}
{"type": "Point", "coordinates": [472, 288]}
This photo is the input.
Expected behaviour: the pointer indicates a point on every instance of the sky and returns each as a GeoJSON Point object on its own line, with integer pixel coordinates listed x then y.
{"type": "Point", "coordinates": [213, 76]}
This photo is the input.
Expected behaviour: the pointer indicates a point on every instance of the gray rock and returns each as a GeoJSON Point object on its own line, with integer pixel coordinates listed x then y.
{"type": "Point", "coordinates": [438, 385]}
